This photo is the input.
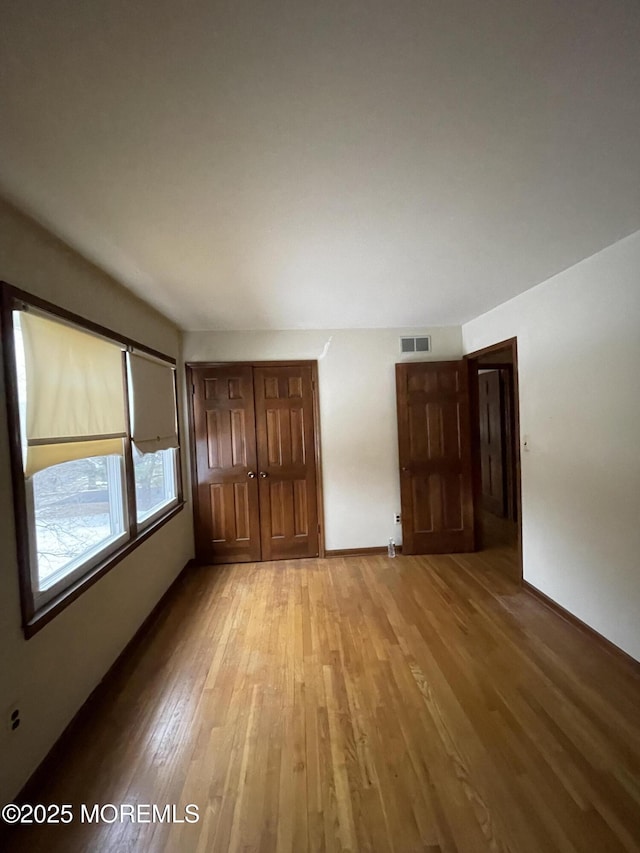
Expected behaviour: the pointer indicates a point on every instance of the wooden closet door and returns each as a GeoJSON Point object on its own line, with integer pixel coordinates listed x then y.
{"type": "Point", "coordinates": [435, 457]}
{"type": "Point", "coordinates": [492, 445]}
{"type": "Point", "coordinates": [227, 512]}
{"type": "Point", "coordinates": [286, 462]}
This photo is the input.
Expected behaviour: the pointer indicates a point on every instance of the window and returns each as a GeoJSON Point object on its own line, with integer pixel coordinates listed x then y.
{"type": "Point", "coordinates": [153, 433]}
{"type": "Point", "coordinates": [155, 475]}
{"type": "Point", "coordinates": [78, 514]}
{"type": "Point", "coordinates": [94, 452]}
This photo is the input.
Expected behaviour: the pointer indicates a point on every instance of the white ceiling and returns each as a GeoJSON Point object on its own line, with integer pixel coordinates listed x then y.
{"type": "Point", "coordinates": [324, 163]}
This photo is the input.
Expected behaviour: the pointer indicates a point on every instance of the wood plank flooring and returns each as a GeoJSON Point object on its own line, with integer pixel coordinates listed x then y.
{"type": "Point", "coordinates": [499, 543]}
{"type": "Point", "coordinates": [359, 704]}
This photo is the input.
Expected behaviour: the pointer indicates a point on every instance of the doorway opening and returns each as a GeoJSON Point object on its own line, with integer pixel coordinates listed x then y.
{"type": "Point", "coordinates": [495, 445]}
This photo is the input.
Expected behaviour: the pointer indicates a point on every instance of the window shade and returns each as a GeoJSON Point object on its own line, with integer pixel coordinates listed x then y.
{"type": "Point", "coordinates": [154, 423]}
{"type": "Point", "coordinates": [75, 394]}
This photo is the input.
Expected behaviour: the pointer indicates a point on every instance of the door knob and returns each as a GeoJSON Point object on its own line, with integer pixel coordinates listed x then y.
{"type": "Point", "coordinates": [264, 475]}
{"type": "Point", "coordinates": [251, 474]}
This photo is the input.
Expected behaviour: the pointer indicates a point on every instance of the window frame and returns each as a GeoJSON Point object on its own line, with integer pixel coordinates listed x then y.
{"type": "Point", "coordinates": [157, 513]}
{"type": "Point", "coordinates": [35, 612]}
{"type": "Point", "coordinates": [92, 556]}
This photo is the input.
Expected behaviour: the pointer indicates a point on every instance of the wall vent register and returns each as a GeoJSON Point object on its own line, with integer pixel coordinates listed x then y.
{"type": "Point", "coordinates": [415, 344]}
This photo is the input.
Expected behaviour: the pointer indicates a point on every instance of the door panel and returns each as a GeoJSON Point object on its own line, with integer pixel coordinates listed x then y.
{"type": "Point", "coordinates": [227, 513]}
{"type": "Point", "coordinates": [435, 457]}
{"type": "Point", "coordinates": [492, 444]}
{"type": "Point", "coordinates": [286, 461]}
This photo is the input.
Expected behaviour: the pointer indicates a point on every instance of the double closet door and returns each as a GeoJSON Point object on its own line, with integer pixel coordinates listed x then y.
{"type": "Point", "coordinates": [254, 462]}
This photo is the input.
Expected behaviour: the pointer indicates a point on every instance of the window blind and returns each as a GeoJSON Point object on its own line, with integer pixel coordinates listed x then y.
{"type": "Point", "coordinates": [75, 394]}
{"type": "Point", "coordinates": [153, 412]}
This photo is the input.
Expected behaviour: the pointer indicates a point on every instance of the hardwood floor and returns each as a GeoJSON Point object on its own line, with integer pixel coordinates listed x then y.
{"type": "Point", "coordinates": [421, 703]}
{"type": "Point", "coordinates": [499, 542]}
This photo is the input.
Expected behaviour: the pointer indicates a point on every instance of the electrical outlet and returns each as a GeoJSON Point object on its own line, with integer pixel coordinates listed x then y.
{"type": "Point", "coordinates": [396, 518]}
{"type": "Point", "coordinates": [12, 718]}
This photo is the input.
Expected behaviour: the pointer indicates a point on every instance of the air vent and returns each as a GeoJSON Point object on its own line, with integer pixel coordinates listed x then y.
{"type": "Point", "coordinates": [418, 344]}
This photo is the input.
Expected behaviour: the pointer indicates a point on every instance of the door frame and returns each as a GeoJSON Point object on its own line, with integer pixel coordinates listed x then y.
{"type": "Point", "coordinates": [472, 360]}
{"type": "Point", "coordinates": [313, 364]}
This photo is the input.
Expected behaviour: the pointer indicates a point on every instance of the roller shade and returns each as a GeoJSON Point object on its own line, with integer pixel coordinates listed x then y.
{"type": "Point", "coordinates": [154, 424]}
{"type": "Point", "coordinates": [75, 394]}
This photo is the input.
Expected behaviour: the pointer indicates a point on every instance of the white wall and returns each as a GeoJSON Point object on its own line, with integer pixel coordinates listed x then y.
{"type": "Point", "coordinates": [356, 378]}
{"type": "Point", "coordinates": [579, 366]}
{"type": "Point", "coordinates": [51, 675]}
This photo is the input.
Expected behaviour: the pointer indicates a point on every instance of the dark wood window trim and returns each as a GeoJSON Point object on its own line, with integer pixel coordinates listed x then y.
{"type": "Point", "coordinates": [11, 298]}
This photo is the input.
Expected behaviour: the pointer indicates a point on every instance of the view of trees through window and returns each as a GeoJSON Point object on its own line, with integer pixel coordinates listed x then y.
{"type": "Point", "coordinates": [78, 505]}
{"type": "Point", "coordinates": [78, 509]}
{"type": "Point", "coordinates": [155, 480]}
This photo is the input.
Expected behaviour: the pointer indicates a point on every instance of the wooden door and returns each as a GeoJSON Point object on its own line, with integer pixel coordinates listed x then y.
{"type": "Point", "coordinates": [435, 457]}
{"type": "Point", "coordinates": [492, 443]}
{"type": "Point", "coordinates": [510, 443]}
{"type": "Point", "coordinates": [227, 511]}
{"type": "Point", "coordinates": [286, 461]}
